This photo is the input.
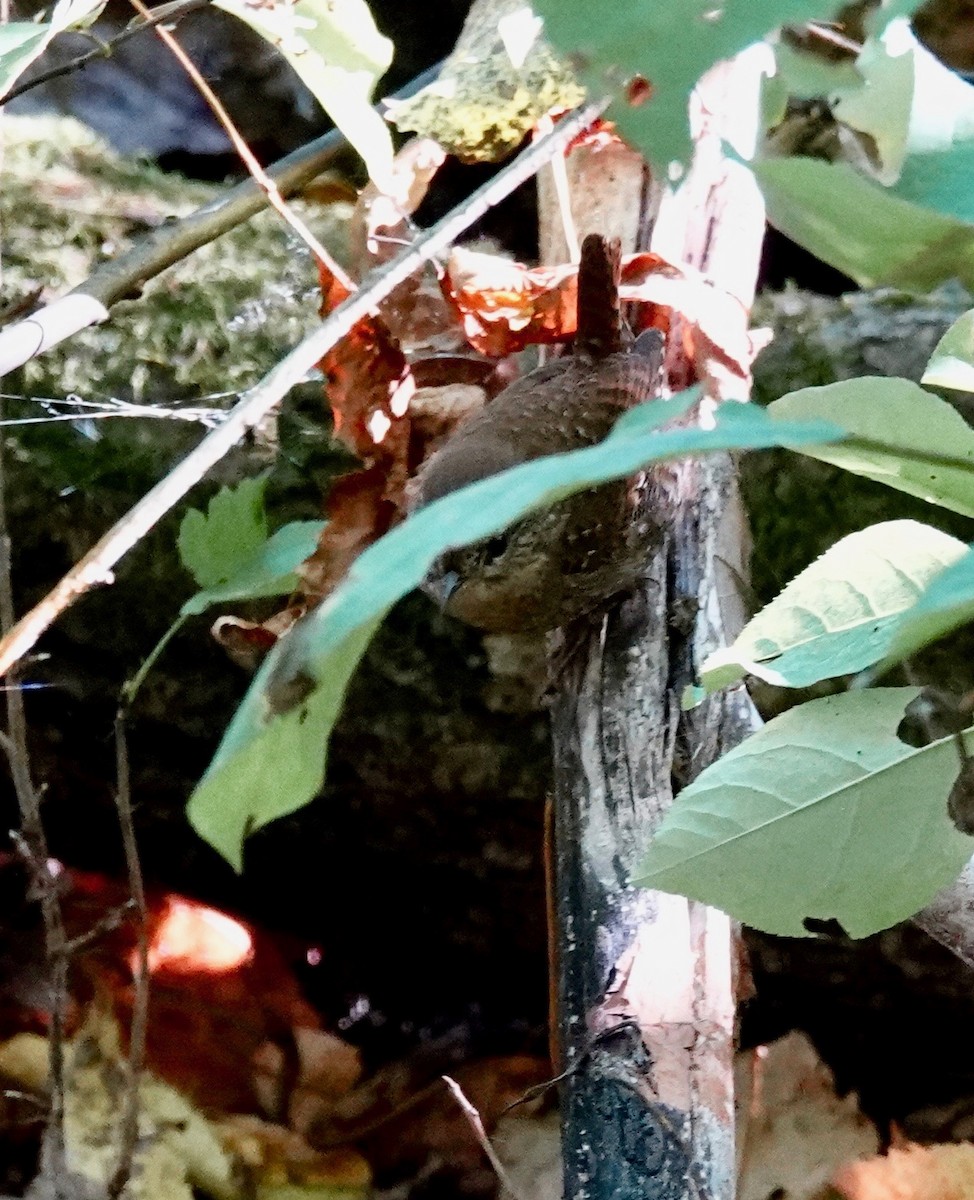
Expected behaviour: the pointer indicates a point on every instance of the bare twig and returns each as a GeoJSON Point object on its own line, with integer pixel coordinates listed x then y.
{"type": "Point", "coordinates": [170, 13]}
{"type": "Point", "coordinates": [477, 1125]}
{"type": "Point", "coordinates": [33, 844]}
{"type": "Point", "coordinates": [129, 1129]}
{"type": "Point", "coordinates": [257, 172]}
{"type": "Point", "coordinates": [123, 277]}
{"type": "Point", "coordinates": [96, 566]}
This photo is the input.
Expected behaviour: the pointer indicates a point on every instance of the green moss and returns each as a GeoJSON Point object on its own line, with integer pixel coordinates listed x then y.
{"type": "Point", "coordinates": [214, 323]}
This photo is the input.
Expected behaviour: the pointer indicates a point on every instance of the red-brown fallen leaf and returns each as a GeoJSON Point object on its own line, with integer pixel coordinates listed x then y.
{"type": "Point", "coordinates": [714, 318]}
{"type": "Point", "coordinates": [380, 221]}
{"type": "Point", "coordinates": [911, 1173]}
{"type": "Point", "coordinates": [368, 383]}
{"type": "Point", "coordinates": [248, 642]}
{"type": "Point", "coordinates": [359, 511]}
{"type": "Point", "coordinates": [597, 136]}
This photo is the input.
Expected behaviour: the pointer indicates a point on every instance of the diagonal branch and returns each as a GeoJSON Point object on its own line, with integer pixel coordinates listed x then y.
{"type": "Point", "coordinates": [96, 566]}
{"type": "Point", "coordinates": [124, 277]}
{"type": "Point", "coordinates": [257, 172]}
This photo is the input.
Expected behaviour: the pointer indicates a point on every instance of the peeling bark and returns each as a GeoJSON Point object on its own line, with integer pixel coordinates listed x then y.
{"type": "Point", "coordinates": [646, 988]}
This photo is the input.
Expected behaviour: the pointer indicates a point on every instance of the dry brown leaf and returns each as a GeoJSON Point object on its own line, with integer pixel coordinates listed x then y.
{"type": "Point", "coordinates": [279, 1161]}
{"type": "Point", "coordinates": [505, 306]}
{"type": "Point", "coordinates": [911, 1173]}
{"type": "Point", "coordinates": [368, 383]}
{"type": "Point", "coordinates": [248, 642]}
{"type": "Point", "coordinates": [794, 1129]}
{"type": "Point", "coordinates": [359, 511]}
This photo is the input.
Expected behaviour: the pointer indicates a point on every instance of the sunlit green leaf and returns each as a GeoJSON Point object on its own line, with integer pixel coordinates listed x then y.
{"type": "Point", "coordinates": [910, 423]}
{"type": "Point", "coordinates": [823, 814]}
{"type": "Point", "coordinates": [300, 687]}
{"type": "Point", "coordinates": [339, 54]}
{"type": "Point", "coordinates": [839, 615]}
{"type": "Point", "coordinates": [945, 605]}
{"type": "Point", "coordinates": [862, 228]}
{"type": "Point", "coordinates": [952, 363]}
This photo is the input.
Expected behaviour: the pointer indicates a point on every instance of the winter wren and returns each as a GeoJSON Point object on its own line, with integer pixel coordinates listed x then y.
{"type": "Point", "coordinates": [561, 562]}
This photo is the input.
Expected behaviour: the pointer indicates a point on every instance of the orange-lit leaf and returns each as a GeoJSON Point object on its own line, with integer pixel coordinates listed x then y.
{"type": "Point", "coordinates": [368, 383]}
{"type": "Point", "coordinates": [714, 317]}
{"type": "Point", "coordinates": [505, 306]}
{"type": "Point", "coordinates": [911, 1173]}
{"type": "Point", "coordinates": [191, 937]}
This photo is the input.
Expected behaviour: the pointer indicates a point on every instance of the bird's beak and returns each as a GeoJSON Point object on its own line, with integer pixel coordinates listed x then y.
{"type": "Point", "coordinates": [442, 586]}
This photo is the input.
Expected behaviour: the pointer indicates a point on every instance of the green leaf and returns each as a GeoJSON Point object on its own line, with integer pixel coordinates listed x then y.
{"type": "Point", "coordinates": [281, 765]}
{"type": "Point", "coordinates": [298, 691]}
{"type": "Point", "coordinates": [23, 41]}
{"type": "Point", "coordinates": [880, 103]}
{"type": "Point", "coordinates": [825, 814]}
{"type": "Point", "coordinates": [945, 605]}
{"type": "Point", "coordinates": [217, 546]}
{"type": "Point", "coordinates": [952, 363]}
{"type": "Point", "coordinates": [909, 422]}
{"type": "Point", "coordinates": [862, 228]}
{"type": "Point", "coordinates": [339, 54]}
{"type": "Point", "coordinates": [839, 615]}
{"type": "Point", "coordinates": [269, 572]}
{"type": "Point", "coordinates": [807, 75]}
{"type": "Point", "coordinates": [671, 44]}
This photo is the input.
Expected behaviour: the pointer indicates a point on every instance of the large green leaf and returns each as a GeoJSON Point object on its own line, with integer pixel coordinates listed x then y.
{"type": "Point", "coordinates": [914, 427]}
{"type": "Point", "coordinates": [862, 228]}
{"type": "Point", "coordinates": [671, 44]}
{"type": "Point", "coordinates": [823, 814]}
{"type": "Point", "coordinates": [839, 615]}
{"type": "Point", "coordinates": [945, 605]}
{"type": "Point", "coordinates": [22, 41]}
{"type": "Point", "coordinates": [299, 689]}
{"type": "Point", "coordinates": [339, 54]}
{"type": "Point", "coordinates": [952, 363]}
{"type": "Point", "coordinates": [919, 230]}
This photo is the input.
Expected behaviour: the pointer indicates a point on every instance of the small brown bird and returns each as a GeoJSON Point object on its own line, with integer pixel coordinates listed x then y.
{"type": "Point", "coordinates": [560, 562]}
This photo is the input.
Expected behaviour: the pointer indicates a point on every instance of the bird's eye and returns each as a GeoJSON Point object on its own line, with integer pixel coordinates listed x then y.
{"type": "Point", "coordinates": [495, 547]}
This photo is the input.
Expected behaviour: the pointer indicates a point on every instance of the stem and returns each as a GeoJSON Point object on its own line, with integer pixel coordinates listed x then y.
{"type": "Point", "coordinates": [32, 844]}
{"type": "Point", "coordinates": [129, 1130]}
{"type": "Point", "coordinates": [257, 172]}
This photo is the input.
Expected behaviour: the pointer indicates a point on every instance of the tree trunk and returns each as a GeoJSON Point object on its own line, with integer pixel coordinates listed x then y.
{"type": "Point", "coordinates": [646, 992]}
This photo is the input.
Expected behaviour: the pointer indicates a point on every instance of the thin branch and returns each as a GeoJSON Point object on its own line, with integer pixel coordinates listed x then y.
{"type": "Point", "coordinates": [257, 172]}
{"type": "Point", "coordinates": [96, 566]}
{"type": "Point", "coordinates": [168, 13]}
{"type": "Point", "coordinates": [129, 1130]}
{"type": "Point", "coordinates": [33, 846]}
{"type": "Point", "coordinates": [477, 1125]}
{"type": "Point", "coordinates": [124, 277]}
